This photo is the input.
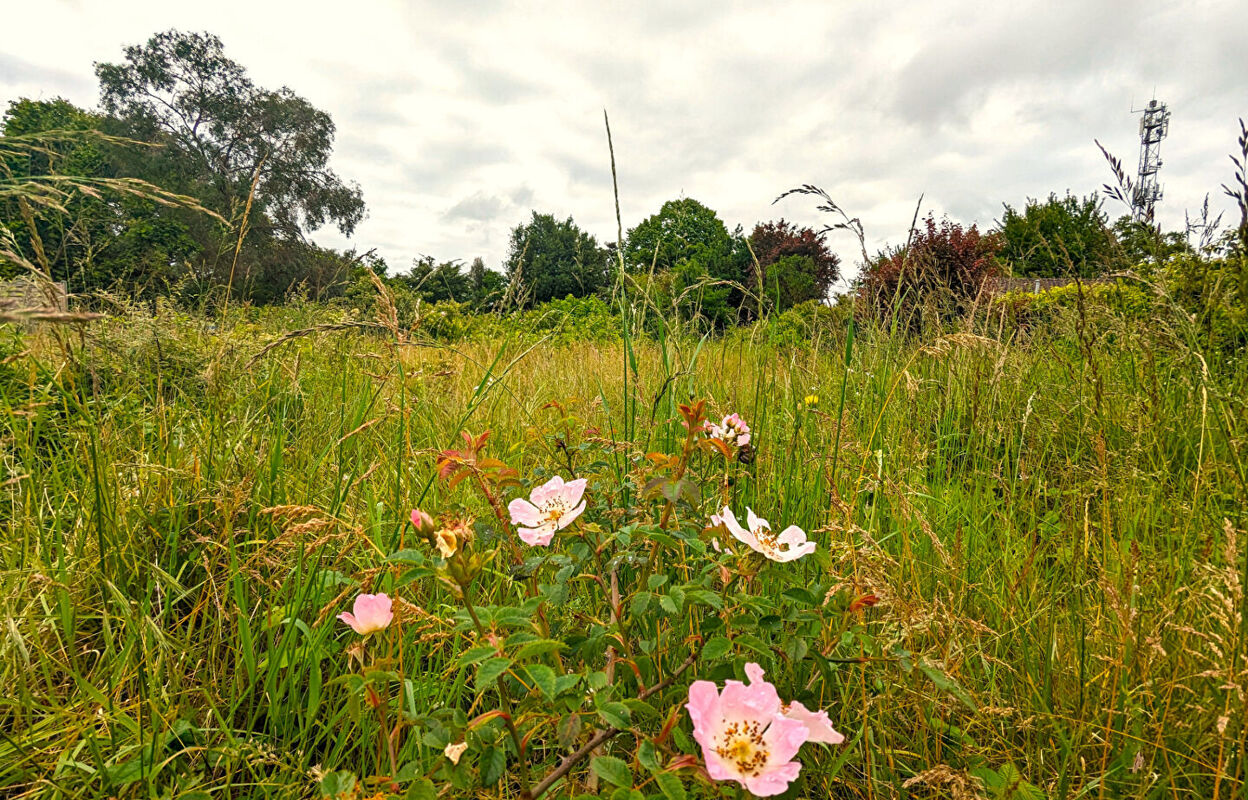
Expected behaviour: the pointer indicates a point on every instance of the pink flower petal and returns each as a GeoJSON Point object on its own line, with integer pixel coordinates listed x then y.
{"type": "Point", "coordinates": [568, 518]}
{"type": "Point", "coordinates": [524, 513]}
{"type": "Point", "coordinates": [539, 536]}
{"type": "Point", "coordinates": [573, 491]}
{"type": "Point", "coordinates": [818, 725]}
{"type": "Point", "coordinates": [729, 521]}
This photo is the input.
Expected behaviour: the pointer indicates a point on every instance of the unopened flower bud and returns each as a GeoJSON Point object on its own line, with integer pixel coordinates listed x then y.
{"type": "Point", "coordinates": [422, 522]}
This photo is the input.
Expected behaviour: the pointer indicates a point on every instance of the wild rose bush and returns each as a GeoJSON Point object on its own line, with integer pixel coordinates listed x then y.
{"type": "Point", "coordinates": [602, 604]}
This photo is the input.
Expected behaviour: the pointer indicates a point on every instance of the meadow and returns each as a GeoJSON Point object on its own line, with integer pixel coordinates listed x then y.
{"type": "Point", "coordinates": [1028, 578]}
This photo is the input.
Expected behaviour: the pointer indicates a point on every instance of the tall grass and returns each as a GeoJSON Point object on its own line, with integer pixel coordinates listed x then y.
{"type": "Point", "coordinates": [1053, 523]}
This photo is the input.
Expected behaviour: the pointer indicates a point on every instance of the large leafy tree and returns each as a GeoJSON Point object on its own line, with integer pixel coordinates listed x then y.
{"type": "Point", "coordinates": [697, 262]}
{"type": "Point", "coordinates": [796, 264]}
{"type": "Point", "coordinates": [221, 133]}
{"type": "Point", "coordinates": [549, 259]}
{"type": "Point", "coordinates": [99, 237]}
{"type": "Point", "coordinates": [1062, 236]}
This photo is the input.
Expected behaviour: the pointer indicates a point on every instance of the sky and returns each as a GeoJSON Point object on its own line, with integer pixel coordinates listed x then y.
{"type": "Point", "coordinates": [457, 119]}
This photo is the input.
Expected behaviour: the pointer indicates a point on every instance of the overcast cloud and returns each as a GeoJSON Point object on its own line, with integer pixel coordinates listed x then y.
{"type": "Point", "coordinates": [458, 118]}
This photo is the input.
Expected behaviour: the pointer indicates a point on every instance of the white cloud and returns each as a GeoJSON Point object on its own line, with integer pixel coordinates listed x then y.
{"type": "Point", "coordinates": [458, 118]}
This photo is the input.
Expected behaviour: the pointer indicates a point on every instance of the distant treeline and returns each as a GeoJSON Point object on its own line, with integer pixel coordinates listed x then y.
{"type": "Point", "coordinates": [252, 166]}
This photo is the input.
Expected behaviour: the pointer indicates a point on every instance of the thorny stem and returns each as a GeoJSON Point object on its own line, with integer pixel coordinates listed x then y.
{"type": "Point", "coordinates": [603, 736]}
{"type": "Point", "coordinates": [508, 706]}
{"type": "Point", "coordinates": [497, 506]}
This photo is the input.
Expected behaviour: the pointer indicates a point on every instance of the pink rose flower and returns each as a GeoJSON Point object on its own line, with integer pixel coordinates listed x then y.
{"type": "Point", "coordinates": [372, 613]}
{"type": "Point", "coordinates": [550, 507]}
{"type": "Point", "coordinates": [732, 430]}
{"type": "Point", "coordinates": [789, 545]}
{"type": "Point", "coordinates": [744, 734]}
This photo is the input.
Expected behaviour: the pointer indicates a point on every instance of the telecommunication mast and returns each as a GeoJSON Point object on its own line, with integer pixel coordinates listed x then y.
{"type": "Point", "coordinates": [1154, 126]}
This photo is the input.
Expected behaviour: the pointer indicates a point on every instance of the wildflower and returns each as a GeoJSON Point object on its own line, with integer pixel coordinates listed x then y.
{"type": "Point", "coordinates": [372, 613]}
{"type": "Point", "coordinates": [454, 751]}
{"type": "Point", "coordinates": [550, 507]}
{"type": "Point", "coordinates": [744, 734]}
{"type": "Point", "coordinates": [732, 430]}
{"type": "Point", "coordinates": [811, 400]}
{"type": "Point", "coordinates": [422, 522]}
{"type": "Point", "coordinates": [789, 545]}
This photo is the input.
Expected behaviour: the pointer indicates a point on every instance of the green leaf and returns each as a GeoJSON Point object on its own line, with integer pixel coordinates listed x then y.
{"type": "Point", "coordinates": [338, 784]}
{"type": "Point", "coordinates": [489, 671]}
{"type": "Point", "coordinates": [422, 789]}
{"type": "Point", "coordinates": [945, 683]}
{"type": "Point", "coordinates": [670, 786]}
{"type": "Point", "coordinates": [754, 643]}
{"type": "Point", "coordinates": [569, 728]}
{"type": "Point", "coordinates": [801, 595]}
{"type": "Point", "coordinates": [668, 604]}
{"type": "Point", "coordinates": [617, 715]}
{"type": "Point", "coordinates": [612, 770]}
{"type": "Point", "coordinates": [544, 678]}
{"type": "Point", "coordinates": [493, 765]}
{"type": "Point", "coordinates": [648, 756]}
{"type": "Point", "coordinates": [477, 654]}
{"type": "Point", "coordinates": [715, 648]}
{"type": "Point", "coordinates": [538, 648]}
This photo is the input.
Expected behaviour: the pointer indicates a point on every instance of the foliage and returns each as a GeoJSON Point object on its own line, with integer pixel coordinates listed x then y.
{"type": "Point", "coordinates": [797, 265]}
{"type": "Point", "coordinates": [1124, 300]}
{"type": "Point", "coordinates": [935, 276]}
{"type": "Point", "coordinates": [548, 260]}
{"type": "Point", "coordinates": [1063, 236]}
{"type": "Point", "coordinates": [686, 255]}
{"type": "Point", "coordinates": [1215, 292]}
{"type": "Point", "coordinates": [220, 133]}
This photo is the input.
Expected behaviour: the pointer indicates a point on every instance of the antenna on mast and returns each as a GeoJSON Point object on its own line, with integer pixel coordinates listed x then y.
{"type": "Point", "coordinates": [1154, 126]}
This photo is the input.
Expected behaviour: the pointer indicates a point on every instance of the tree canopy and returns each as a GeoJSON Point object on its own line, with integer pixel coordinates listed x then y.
{"type": "Point", "coordinates": [549, 259]}
{"type": "Point", "coordinates": [1063, 236]}
{"type": "Point", "coordinates": [796, 263]}
{"type": "Point", "coordinates": [221, 132]}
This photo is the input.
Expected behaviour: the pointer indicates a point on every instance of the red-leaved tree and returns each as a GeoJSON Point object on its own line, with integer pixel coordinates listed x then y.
{"type": "Point", "coordinates": [940, 272]}
{"type": "Point", "coordinates": [796, 263]}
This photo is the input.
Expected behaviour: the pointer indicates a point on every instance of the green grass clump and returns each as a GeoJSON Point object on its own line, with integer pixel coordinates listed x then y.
{"type": "Point", "coordinates": [1052, 524]}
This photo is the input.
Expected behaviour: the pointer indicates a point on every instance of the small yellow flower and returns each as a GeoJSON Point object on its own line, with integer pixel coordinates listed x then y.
{"type": "Point", "coordinates": [454, 751]}
{"type": "Point", "coordinates": [811, 400]}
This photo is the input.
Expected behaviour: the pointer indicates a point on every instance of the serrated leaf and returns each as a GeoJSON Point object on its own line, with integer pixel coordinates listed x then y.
{"type": "Point", "coordinates": [544, 678]}
{"type": "Point", "coordinates": [475, 655]}
{"type": "Point", "coordinates": [490, 670]}
{"type": "Point", "coordinates": [569, 728]}
{"type": "Point", "coordinates": [612, 770]}
{"type": "Point", "coordinates": [648, 756]}
{"type": "Point", "coordinates": [716, 648]}
{"type": "Point", "coordinates": [538, 648]}
{"type": "Point", "coordinates": [493, 765]}
{"type": "Point", "coordinates": [668, 604]}
{"type": "Point", "coordinates": [615, 714]}
{"type": "Point", "coordinates": [670, 786]}
{"type": "Point", "coordinates": [754, 643]}
{"type": "Point", "coordinates": [422, 789]}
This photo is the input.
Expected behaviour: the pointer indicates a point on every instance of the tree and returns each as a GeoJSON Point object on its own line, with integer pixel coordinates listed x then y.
{"type": "Point", "coordinates": [221, 132]}
{"type": "Point", "coordinates": [796, 263]}
{"type": "Point", "coordinates": [549, 260]}
{"type": "Point", "coordinates": [103, 237]}
{"type": "Point", "coordinates": [486, 284]}
{"type": "Point", "coordinates": [433, 281]}
{"type": "Point", "coordinates": [1063, 236]}
{"type": "Point", "coordinates": [943, 268]}
{"type": "Point", "coordinates": [696, 260]}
